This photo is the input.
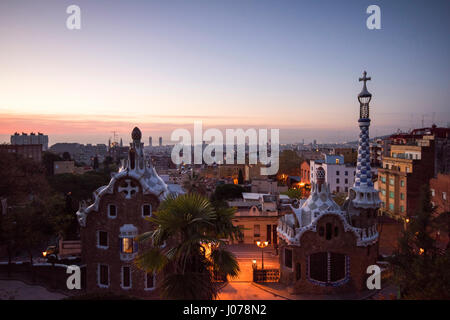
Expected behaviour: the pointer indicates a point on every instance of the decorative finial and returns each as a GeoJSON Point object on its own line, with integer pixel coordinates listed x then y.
{"type": "Point", "coordinates": [364, 96]}
{"type": "Point", "coordinates": [136, 134]}
{"type": "Point", "coordinates": [320, 174]}
{"type": "Point", "coordinates": [365, 78]}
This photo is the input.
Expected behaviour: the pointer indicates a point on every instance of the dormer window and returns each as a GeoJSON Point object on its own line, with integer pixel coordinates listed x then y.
{"type": "Point", "coordinates": [128, 243]}
{"type": "Point", "coordinates": [146, 210]}
{"type": "Point", "coordinates": [112, 211]}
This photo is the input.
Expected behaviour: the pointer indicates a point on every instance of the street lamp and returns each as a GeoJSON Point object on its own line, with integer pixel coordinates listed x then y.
{"type": "Point", "coordinates": [262, 245]}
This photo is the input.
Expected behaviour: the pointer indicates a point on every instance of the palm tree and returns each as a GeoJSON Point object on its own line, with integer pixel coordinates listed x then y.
{"type": "Point", "coordinates": [188, 247]}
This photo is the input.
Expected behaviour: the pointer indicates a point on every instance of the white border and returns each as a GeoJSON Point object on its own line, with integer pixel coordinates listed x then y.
{"type": "Point", "coordinates": [98, 240]}
{"type": "Point", "coordinates": [98, 276]}
{"type": "Point", "coordinates": [109, 215]}
{"type": "Point", "coordinates": [122, 278]}
{"type": "Point", "coordinates": [142, 210]}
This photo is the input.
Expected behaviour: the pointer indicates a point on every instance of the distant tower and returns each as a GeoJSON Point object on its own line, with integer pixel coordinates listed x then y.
{"type": "Point", "coordinates": [150, 141]}
{"type": "Point", "coordinates": [363, 196]}
{"type": "Point", "coordinates": [121, 142]}
{"type": "Point", "coordinates": [160, 141]}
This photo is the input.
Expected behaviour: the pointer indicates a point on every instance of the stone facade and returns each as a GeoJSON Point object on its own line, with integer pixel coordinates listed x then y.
{"type": "Point", "coordinates": [110, 225]}
{"type": "Point", "coordinates": [324, 248]}
{"type": "Point", "coordinates": [356, 260]}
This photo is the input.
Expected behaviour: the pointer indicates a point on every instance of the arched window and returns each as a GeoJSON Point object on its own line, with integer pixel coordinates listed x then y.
{"type": "Point", "coordinates": [112, 211]}
{"type": "Point", "coordinates": [336, 231]}
{"type": "Point", "coordinates": [288, 258]}
{"type": "Point", "coordinates": [298, 271]}
{"type": "Point", "coordinates": [327, 267]}
{"type": "Point", "coordinates": [146, 210]}
{"type": "Point", "coordinates": [328, 231]}
{"type": "Point", "coordinates": [150, 281]}
{"type": "Point", "coordinates": [318, 266]}
{"type": "Point", "coordinates": [321, 231]}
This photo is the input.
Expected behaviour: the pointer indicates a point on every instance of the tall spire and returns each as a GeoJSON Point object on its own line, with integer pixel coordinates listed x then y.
{"type": "Point", "coordinates": [363, 177]}
{"type": "Point", "coordinates": [363, 193]}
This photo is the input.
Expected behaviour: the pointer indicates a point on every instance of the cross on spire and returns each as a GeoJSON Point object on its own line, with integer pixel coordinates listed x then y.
{"type": "Point", "coordinates": [365, 78]}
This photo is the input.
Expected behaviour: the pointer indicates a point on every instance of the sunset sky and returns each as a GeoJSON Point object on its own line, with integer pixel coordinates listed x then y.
{"type": "Point", "coordinates": [160, 65]}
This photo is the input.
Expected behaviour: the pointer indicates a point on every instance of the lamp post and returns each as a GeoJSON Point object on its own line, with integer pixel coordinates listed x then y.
{"type": "Point", "coordinates": [262, 245]}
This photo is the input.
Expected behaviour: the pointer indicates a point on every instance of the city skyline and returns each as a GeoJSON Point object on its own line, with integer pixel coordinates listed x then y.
{"type": "Point", "coordinates": [261, 64]}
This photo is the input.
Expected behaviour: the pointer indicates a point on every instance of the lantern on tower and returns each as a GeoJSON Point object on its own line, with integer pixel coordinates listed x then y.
{"type": "Point", "coordinates": [364, 98]}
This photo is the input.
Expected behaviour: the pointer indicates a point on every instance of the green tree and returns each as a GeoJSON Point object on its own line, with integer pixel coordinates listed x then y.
{"type": "Point", "coordinates": [421, 268]}
{"type": "Point", "coordinates": [294, 193]}
{"type": "Point", "coordinates": [81, 187]}
{"type": "Point", "coordinates": [188, 247]}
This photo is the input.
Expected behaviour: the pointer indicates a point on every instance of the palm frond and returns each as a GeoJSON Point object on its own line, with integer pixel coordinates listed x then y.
{"type": "Point", "coordinates": [152, 260]}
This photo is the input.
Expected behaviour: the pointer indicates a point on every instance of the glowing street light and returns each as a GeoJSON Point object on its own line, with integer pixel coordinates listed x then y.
{"type": "Point", "coordinates": [262, 245]}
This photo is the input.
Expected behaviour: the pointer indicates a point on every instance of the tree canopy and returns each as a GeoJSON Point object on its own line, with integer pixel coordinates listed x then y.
{"type": "Point", "coordinates": [421, 268]}
{"type": "Point", "coordinates": [187, 247]}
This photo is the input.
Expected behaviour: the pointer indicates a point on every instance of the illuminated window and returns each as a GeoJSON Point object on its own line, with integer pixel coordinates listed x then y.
{"type": "Point", "coordinates": [127, 245]}
{"type": "Point", "coordinates": [391, 194]}
{"type": "Point", "coordinates": [337, 161]}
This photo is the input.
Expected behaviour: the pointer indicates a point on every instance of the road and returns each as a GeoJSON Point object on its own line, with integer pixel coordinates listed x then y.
{"type": "Point", "coordinates": [245, 255]}
{"type": "Point", "coordinates": [245, 291]}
